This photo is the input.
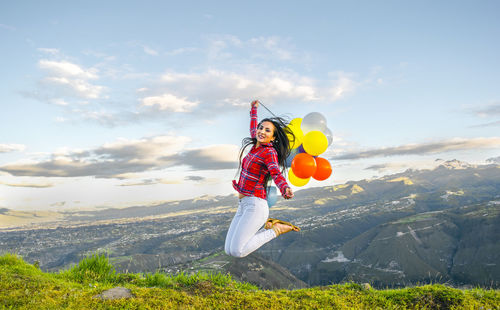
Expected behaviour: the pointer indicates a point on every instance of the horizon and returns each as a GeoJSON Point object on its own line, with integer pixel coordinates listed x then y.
{"type": "Point", "coordinates": [123, 104]}
{"type": "Point", "coordinates": [438, 163]}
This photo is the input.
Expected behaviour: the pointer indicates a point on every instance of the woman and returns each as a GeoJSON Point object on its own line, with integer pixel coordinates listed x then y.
{"type": "Point", "coordinates": [270, 148]}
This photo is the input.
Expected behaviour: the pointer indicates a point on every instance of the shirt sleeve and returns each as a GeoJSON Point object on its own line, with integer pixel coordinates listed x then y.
{"type": "Point", "coordinates": [253, 122]}
{"type": "Point", "coordinates": [271, 161]}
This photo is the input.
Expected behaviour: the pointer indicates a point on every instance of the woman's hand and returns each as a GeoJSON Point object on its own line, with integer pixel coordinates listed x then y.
{"type": "Point", "coordinates": [288, 193]}
{"type": "Point", "coordinates": [255, 103]}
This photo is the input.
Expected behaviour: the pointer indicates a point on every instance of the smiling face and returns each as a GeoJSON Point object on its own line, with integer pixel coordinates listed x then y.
{"type": "Point", "coordinates": [265, 132]}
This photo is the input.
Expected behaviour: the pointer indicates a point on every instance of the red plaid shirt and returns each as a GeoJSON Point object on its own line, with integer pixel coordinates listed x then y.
{"type": "Point", "coordinates": [258, 163]}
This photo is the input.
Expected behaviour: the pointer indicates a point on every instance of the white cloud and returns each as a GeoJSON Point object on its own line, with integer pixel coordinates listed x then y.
{"type": "Point", "coordinates": [148, 50]}
{"type": "Point", "coordinates": [60, 119]}
{"type": "Point", "coordinates": [270, 48]}
{"type": "Point", "coordinates": [169, 102]}
{"type": "Point", "coordinates": [28, 184]}
{"type": "Point", "coordinates": [79, 88]}
{"type": "Point", "coordinates": [180, 51]}
{"type": "Point", "coordinates": [67, 69]}
{"type": "Point", "coordinates": [276, 46]}
{"type": "Point", "coordinates": [7, 148]}
{"type": "Point", "coordinates": [192, 93]}
{"type": "Point", "coordinates": [59, 101]}
{"type": "Point", "coordinates": [51, 51]}
{"type": "Point", "coordinates": [218, 88]}
{"type": "Point", "coordinates": [66, 80]}
{"type": "Point", "coordinates": [102, 117]}
{"type": "Point", "coordinates": [342, 84]}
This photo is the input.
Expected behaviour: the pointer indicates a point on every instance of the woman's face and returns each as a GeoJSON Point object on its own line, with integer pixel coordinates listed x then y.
{"type": "Point", "coordinates": [265, 132]}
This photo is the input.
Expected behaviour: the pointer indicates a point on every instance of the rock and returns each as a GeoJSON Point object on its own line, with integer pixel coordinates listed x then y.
{"type": "Point", "coordinates": [115, 293]}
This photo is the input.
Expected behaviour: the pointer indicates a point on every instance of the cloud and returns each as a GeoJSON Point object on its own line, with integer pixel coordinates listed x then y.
{"type": "Point", "coordinates": [7, 148]}
{"type": "Point", "coordinates": [169, 102]}
{"type": "Point", "coordinates": [424, 148]}
{"type": "Point", "coordinates": [223, 87]}
{"type": "Point", "coordinates": [491, 110]}
{"type": "Point", "coordinates": [124, 158]}
{"type": "Point", "coordinates": [224, 47]}
{"type": "Point", "coordinates": [181, 51]}
{"type": "Point", "coordinates": [278, 47]}
{"type": "Point", "coordinates": [65, 82]}
{"type": "Point", "coordinates": [245, 72]}
{"type": "Point", "coordinates": [215, 90]}
{"type": "Point", "coordinates": [26, 184]}
{"type": "Point", "coordinates": [494, 160]}
{"type": "Point", "coordinates": [148, 50]}
{"type": "Point", "coordinates": [214, 157]}
{"type": "Point", "coordinates": [488, 111]}
{"type": "Point", "coordinates": [107, 161]}
{"type": "Point", "coordinates": [70, 80]}
{"type": "Point", "coordinates": [151, 182]}
{"type": "Point", "coordinates": [387, 167]}
{"type": "Point", "coordinates": [399, 166]}
{"type": "Point", "coordinates": [195, 178]}
{"type": "Point", "coordinates": [490, 124]}
{"type": "Point", "coordinates": [104, 117]}
{"type": "Point", "coordinates": [66, 69]}
{"type": "Point", "coordinates": [51, 51]}
{"type": "Point", "coordinates": [58, 204]}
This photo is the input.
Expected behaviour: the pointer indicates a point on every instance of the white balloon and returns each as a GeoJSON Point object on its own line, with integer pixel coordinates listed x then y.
{"type": "Point", "coordinates": [313, 121]}
{"type": "Point", "coordinates": [329, 135]}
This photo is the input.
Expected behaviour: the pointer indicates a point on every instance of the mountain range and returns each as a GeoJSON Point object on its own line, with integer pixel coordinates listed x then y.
{"type": "Point", "coordinates": [439, 225]}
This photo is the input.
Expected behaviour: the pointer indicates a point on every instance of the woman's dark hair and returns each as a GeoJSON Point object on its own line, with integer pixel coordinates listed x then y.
{"type": "Point", "coordinates": [283, 138]}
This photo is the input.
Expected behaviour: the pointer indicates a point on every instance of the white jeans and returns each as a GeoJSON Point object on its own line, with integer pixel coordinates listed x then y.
{"type": "Point", "coordinates": [246, 233]}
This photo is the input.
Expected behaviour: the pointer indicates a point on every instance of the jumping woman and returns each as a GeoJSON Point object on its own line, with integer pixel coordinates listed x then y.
{"type": "Point", "coordinates": [250, 227]}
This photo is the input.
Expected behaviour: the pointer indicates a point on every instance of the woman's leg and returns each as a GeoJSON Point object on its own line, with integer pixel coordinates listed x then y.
{"type": "Point", "coordinates": [232, 228]}
{"type": "Point", "coordinates": [247, 235]}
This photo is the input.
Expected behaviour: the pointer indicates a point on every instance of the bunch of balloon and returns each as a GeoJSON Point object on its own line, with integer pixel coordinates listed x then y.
{"type": "Point", "coordinates": [310, 138]}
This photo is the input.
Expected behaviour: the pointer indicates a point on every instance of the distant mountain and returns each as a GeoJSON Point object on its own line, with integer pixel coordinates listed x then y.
{"type": "Point", "coordinates": [437, 225]}
{"type": "Point", "coordinates": [455, 246]}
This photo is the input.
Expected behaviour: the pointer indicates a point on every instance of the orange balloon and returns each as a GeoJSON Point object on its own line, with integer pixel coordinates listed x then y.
{"type": "Point", "coordinates": [323, 169]}
{"type": "Point", "coordinates": [303, 165]}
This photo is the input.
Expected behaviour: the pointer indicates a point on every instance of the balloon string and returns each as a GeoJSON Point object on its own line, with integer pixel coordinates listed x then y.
{"type": "Point", "coordinates": [267, 109]}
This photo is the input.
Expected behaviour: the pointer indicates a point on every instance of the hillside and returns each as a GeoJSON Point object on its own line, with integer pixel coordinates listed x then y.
{"type": "Point", "coordinates": [85, 286]}
{"type": "Point", "coordinates": [419, 226]}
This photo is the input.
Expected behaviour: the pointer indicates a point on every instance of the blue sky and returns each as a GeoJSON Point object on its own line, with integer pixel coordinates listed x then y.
{"type": "Point", "coordinates": [118, 103]}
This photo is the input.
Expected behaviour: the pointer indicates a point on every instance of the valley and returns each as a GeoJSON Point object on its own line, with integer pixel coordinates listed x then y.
{"type": "Point", "coordinates": [419, 226]}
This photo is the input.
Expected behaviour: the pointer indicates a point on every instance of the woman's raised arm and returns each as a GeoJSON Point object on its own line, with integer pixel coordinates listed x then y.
{"type": "Point", "coordinates": [253, 118]}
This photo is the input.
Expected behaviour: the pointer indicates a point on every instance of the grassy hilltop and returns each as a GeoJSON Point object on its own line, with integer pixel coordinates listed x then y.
{"type": "Point", "coordinates": [25, 286]}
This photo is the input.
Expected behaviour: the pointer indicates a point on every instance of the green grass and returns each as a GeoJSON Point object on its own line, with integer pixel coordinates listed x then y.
{"type": "Point", "coordinates": [24, 286]}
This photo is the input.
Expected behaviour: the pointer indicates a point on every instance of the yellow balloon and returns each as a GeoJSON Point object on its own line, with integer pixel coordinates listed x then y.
{"type": "Point", "coordinates": [296, 139]}
{"type": "Point", "coordinates": [296, 180]}
{"type": "Point", "coordinates": [296, 122]}
{"type": "Point", "coordinates": [315, 143]}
